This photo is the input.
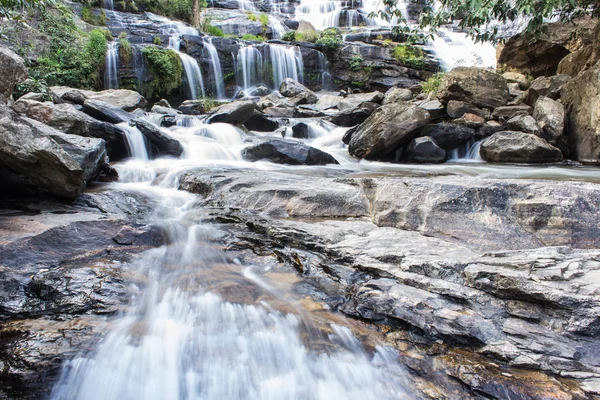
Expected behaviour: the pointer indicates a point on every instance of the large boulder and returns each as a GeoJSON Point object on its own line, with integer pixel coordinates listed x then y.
{"type": "Point", "coordinates": [518, 147]}
{"type": "Point", "coordinates": [260, 123]}
{"type": "Point", "coordinates": [328, 101]}
{"type": "Point", "coordinates": [33, 162]}
{"type": "Point", "coordinates": [162, 143]}
{"type": "Point", "coordinates": [550, 86]}
{"type": "Point", "coordinates": [236, 112]}
{"type": "Point", "coordinates": [477, 86]}
{"type": "Point", "coordinates": [524, 123]}
{"type": "Point", "coordinates": [65, 94]}
{"type": "Point", "coordinates": [581, 97]}
{"type": "Point", "coordinates": [396, 95]}
{"type": "Point", "coordinates": [425, 150]}
{"type": "Point", "coordinates": [356, 100]}
{"type": "Point", "coordinates": [104, 111]}
{"type": "Point", "coordinates": [127, 100]}
{"type": "Point", "coordinates": [354, 116]}
{"type": "Point", "coordinates": [291, 88]}
{"type": "Point", "coordinates": [387, 129]}
{"type": "Point", "coordinates": [12, 71]}
{"type": "Point", "coordinates": [282, 151]}
{"type": "Point", "coordinates": [448, 136]}
{"type": "Point", "coordinates": [550, 115]}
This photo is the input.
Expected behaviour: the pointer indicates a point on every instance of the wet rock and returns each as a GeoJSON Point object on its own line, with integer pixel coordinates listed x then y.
{"type": "Point", "coordinates": [163, 144]}
{"type": "Point", "coordinates": [433, 107]}
{"type": "Point", "coordinates": [236, 112]}
{"type": "Point", "coordinates": [387, 129]}
{"type": "Point", "coordinates": [300, 131]}
{"type": "Point", "coordinates": [524, 123]}
{"type": "Point", "coordinates": [356, 100]}
{"type": "Point", "coordinates": [395, 95]}
{"type": "Point", "coordinates": [291, 88]}
{"type": "Point", "coordinates": [280, 112]}
{"type": "Point", "coordinates": [103, 111]}
{"type": "Point", "coordinates": [64, 94]}
{"type": "Point", "coordinates": [456, 109]}
{"type": "Point", "coordinates": [550, 86]}
{"type": "Point", "coordinates": [477, 86]}
{"type": "Point", "coordinates": [448, 136]}
{"type": "Point", "coordinates": [164, 110]}
{"type": "Point", "coordinates": [302, 99]}
{"type": "Point", "coordinates": [13, 72]}
{"type": "Point", "coordinates": [506, 112]}
{"type": "Point", "coordinates": [425, 150]}
{"type": "Point", "coordinates": [550, 115]}
{"type": "Point", "coordinates": [258, 122]}
{"type": "Point", "coordinates": [124, 99]}
{"type": "Point", "coordinates": [291, 152]}
{"type": "Point", "coordinates": [518, 147]}
{"type": "Point", "coordinates": [354, 116]}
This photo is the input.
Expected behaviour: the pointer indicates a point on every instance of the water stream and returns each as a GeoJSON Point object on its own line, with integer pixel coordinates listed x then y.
{"type": "Point", "coordinates": [111, 78]}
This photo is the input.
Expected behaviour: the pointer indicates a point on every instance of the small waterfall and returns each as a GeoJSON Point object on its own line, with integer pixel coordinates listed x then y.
{"type": "Point", "coordinates": [136, 142]}
{"type": "Point", "coordinates": [215, 67]}
{"type": "Point", "coordinates": [468, 152]}
{"type": "Point", "coordinates": [325, 76]}
{"type": "Point", "coordinates": [139, 67]}
{"type": "Point", "coordinates": [108, 5]}
{"type": "Point", "coordinates": [250, 66]}
{"type": "Point", "coordinates": [247, 5]}
{"type": "Point", "coordinates": [111, 77]}
{"type": "Point", "coordinates": [321, 14]}
{"type": "Point", "coordinates": [286, 62]}
{"type": "Point", "coordinates": [276, 27]}
{"type": "Point", "coordinates": [455, 49]}
{"type": "Point", "coordinates": [193, 73]}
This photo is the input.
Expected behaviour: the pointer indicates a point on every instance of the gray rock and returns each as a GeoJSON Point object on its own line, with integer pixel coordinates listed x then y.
{"type": "Point", "coordinates": [518, 78]}
{"type": "Point", "coordinates": [425, 150]}
{"type": "Point", "coordinates": [13, 72]}
{"type": "Point", "coordinates": [518, 147]}
{"type": "Point", "coordinates": [448, 136]}
{"type": "Point", "coordinates": [477, 86]}
{"type": "Point", "coordinates": [524, 123]}
{"type": "Point", "coordinates": [387, 129]}
{"type": "Point", "coordinates": [64, 94]}
{"type": "Point", "coordinates": [434, 107]}
{"type": "Point", "coordinates": [283, 151]}
{"type": "Point", "coordinates": [280, 112]}
{"type": "Point", "coordinates": [164, 110]}
{"type": "Point", "coordinates": [291, 88]}
{"type": "Point", "coordinates": [106, 112]}
{"type": "Point", "coordinates": [127, 100]}
{"type": "Point", "coordinates": [550, 115]}
{"type": "Point", "coordinates": [236, 112]}
{"type": "Point", "coordinates": [550, 86]}
{"type": "Point", "coordinates": [356, 100]}
{"type": "Point", "coordinates": [328, 101]}
{"type": "Point", "coordinates": [395, 95]}
{"type": "Point", "coordinates": [354, 116]}
{"type": "Point", "coordinates": [506, 112]}
{"type": "Point", "coordinates": [456, 109]}
{"type": "Point", "coordinates": [162, 143]}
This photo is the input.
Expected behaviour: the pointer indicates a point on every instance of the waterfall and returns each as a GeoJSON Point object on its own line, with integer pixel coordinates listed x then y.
{"type": "Point", "coordinates": [469, 152]}
{"type": "Point", "coordinates": [108, 5]}
{"type": "Point", "coordinates": [139, 67]}
{"type": "Point", "coordinates": [455, 49]}
{"type": "Point", "coordinates": [215, 67]}
{"type": "Point", "coordinates": [286, 62]}
{"type": "Point", "coordinates": [247, 5]}
{"type": "Point", "coordinates": [325, 76]}
{"type": "Point", "coordinates": [276, 27]}
{"type": "Point", "coordinates": [321, 14]}
{"type": "Point", "coordinates": [250, 65]}
{"type": "Point", "coordinates": [111, 77]}
{"type": "Point", "coordinates": [136, 142]}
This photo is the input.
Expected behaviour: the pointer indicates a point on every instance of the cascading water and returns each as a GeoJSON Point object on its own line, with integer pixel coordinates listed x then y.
{"type": "Point", "coordinates": [249, 67]}
{"type": "Point", "coordinates": [215, 67]}
{"type": "Point", "coordinates": [286, 62]}
{"type": "Point", "coordinates": [455, 49]}
{"type": "Point", "coordinates": [184, 337]}
{"type": "Point", "coordinates": [325, 76]}
{"type": "Point", "coordinates": [276, 27]}
{"type": "Point", "coordinates": [136, 143]}
{"type": "Point", "coordinates": [111, 78]}
{"type": "Point", "coordinates": [108, 5]}
{"type": "Point", "coordinates": [469, 152]}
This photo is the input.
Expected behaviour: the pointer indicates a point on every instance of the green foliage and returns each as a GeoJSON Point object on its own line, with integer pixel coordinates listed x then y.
{"type": "Point", "coordinates": [251, 16]}
{"type": "Point", "coordinates": [360, 85]}
{"type": "Point", "coordinates": [264, 20]}
{"type": "Point", "coordinates": [330, 40]}
{"type": "Point", "coordinates": [432, 85]}
{"type": "Point", "coordinates": [253, 38]}
{"type": "Point", "coordinates": [32, 86]}
{"type": "Point", "coordinates": [229, 77]}
{"type": "Point", "coordinates": [13, 9]}
{"type": "Point", "coordinates": [289, 36]}
{"type": "Point", "coordinates": [214, 31]}
{"type": "Point", "coordinates": [125, 49]}
{"type": "Point", "coordinates": [157, 40]}
{"type": "Point", "coordinates": [87, 14]}
{"type": "Point", "coordinates": [355, 62]}
{"type": "Point", "coordinates": [409, 56]}
{"type": "Point", "coordinates": [177, 9]}
{"type": "Point", "coordinates": [166, 70]}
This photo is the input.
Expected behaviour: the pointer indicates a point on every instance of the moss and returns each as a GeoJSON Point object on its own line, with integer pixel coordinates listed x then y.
{"type": "Point", "coordinates": [251, 16]}
{"type": "Point", "coordinates": [166, 70]}
{"type": "Point", "coordinates": [432, 85]}
{"type": "Point", "coordinates": [409, 56]}
{"type": "Point", "coordinates": [330, 40]}
{"type": "Point", "coordinates": [289, 36]}
{"type": "Point", "coordinates": [253, 38]}
{"type": "Point", "coordinates": [355, 62]}
{"type": "Point", "coordinates": [157, 40]}
{"type": "Point", "coordinates": [214, 31]}
{"type": "Point", "coordinates": [125, 49]}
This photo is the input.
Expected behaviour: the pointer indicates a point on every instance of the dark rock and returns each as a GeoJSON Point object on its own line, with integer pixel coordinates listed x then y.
{"type": "Point", "coordinates": [448, 136]}
{"type": "Point", "coordinates": [283, 151]}
{"type": "Point", "coordinates": [518, 147]}
{"type": "Point", "coordinates": [434, 107]}
{"type": "Point", "coordinates": [387, 129]}
{"type": "Point", "coordinates": [280, 112]}
{"type": "Point", "coordinates": [106, 112]}
{"type": "Point", "coordinates": [524, 123]}
{"type": "Point", "coordinates": [258, 122]}
{"type": "Point", "coordinates": [456, 109]}
{"type": "Point", "coordinates": [550, 86]}
{"type": "Point", "coordinates": [506, 112]}
{"type": "Point", "coordinates": [425, 150]}
{"type": "Point", "coordinates": [477, 86]}
{"type": "Point", "coordinates": [162, 143]}
{"type": "Point", "coordinates": [300, 131]}
{"type": "Point", "coordinates": [236, 112]}
{"type": "Point", "coordinates": [354, 116]}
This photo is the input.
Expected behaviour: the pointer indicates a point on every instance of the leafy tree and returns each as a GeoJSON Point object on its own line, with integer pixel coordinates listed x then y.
{"type": "Point", "coordinates": [482, 19]}
{"type": "Point", "coordinates": [11, 9]}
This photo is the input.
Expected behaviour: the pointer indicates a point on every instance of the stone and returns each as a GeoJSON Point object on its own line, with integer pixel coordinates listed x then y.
{"type": "Point", "coordinates": [127, 100]}
{"type": "Point", "coordinates": [524, 123]}
{"type": "Point", "coordinates": [354, 116]}
{"type": "Point", "coordinates": [260, 123]}
{"type": "Point", "coordinates": [518, 78]}
{"type": "Point", "coordinates": [434, 107]}
{"type": "Point", "coordinates": [518, 147]}
{"type": "Point", "coordinates": [280, 112]}
{"type": "Point", "coordinates": [163, 144]}
{"type": "Point", "coordinates": [308, 31]}
{"type": "Point", "coordinates": [291, 88]}
{"type": "Point", "coordinates": [456, 109]}
{"type": "Point", "coordinates": [395, 95]}
{"type": "Point", "coordinates": [303, 98]}
{"type": "Point", "coordinates": [550, 86]}
{"type": "Point", "coordinates": [477, 86]}
{"type": "Point", "coordinates": [163, 103]}
{"type": "Point", "coordinates": [505, 112]}
{"type": "Point", "coordinates": [356, 100]}
{"type": "Point", "coordinates": [448, 136]}
{"type": "Point", "coordinates": [300, 131]}
{"type": "Point", "coordinates": [12, 71]}
{"type": "Point", "coordinates": [550, 115]}
{"type": "Point", "coordinates": [65, 94]}
{"type": "Point", "coordinates": [164, 110]}
{"type": "Point", "coordinates": [103, 111]}
{"type": "Point", "coordinates": [236, 112]}
{"type": "Point", "coordinates": [425, 150]}
{"type": "Point", "coordinates": [328, 101]}
{"type": "Point", "coordinates": [291, 152]}
{"type": "Point", "coordinates": [386, 130]}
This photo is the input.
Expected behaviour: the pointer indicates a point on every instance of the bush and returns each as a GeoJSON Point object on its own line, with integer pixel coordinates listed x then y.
{"type": "Point", "coordinates": [32, 86]}
{"type": "Point", "coordinates": [432, 85]}
{"type": "Point", "coordinates": [125, 50]}
{"type": "Point", "coordinates": [355, 62]}
{"type": "Point", "coordinates": [214, 31]}
{"type": "Point", "coordinates": [409, 56]}
{"type": "Point", "coordinates": [251, 16]}
{"type": "Point", "coordinates": [157, 40]}
{"type": "Point", "coordinates": [330, 40]}
{"type": "Point", "coordinates": [253, 38]}
{"type": "Point", "coordinates": [166, 70]}
{"type": "Point", "coordinates": [264, 20]}
{"type": "Point", "coordinates": [289, 36]}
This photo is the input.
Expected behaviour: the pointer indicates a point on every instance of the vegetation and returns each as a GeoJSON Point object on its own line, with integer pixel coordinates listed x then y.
{"type": "Point", "coordinates": [214, 31]}
{"type": "Point", "coordinates": [355, 62]}
{"type": "Point", "coordinates": [479, 17]}
{"type": "Point", "coordinates": [432, 85]}
{"type": "Point", "coordinates": [166, 70]}
{"type": "Point", "coordinates": [157, 40]}
{"type": "Point", "coordinates": [32, 86]}
{"type": "Point", "coordinates": [125, 50]}
{"type": "Point", "coordinates": [289, 36]}
{"type": "Point", "coordinates": [251, 16]}
{"type": "Point", "coordinates": [409, 56]}
{"type": "Point", "coordinates": [253, 38]}
{"type": "Point", "coordinates": [330, 40]}
{"type": "Point", "coordinates": [264, 21]}
{"type": "Point", "coordinates": [13, 9]}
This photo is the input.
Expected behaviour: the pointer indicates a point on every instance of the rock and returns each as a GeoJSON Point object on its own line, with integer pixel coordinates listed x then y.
{"type": "Point", "coordinates": [163, 103]}
{"type": "Point", "coordinates": [164, 110]}
{"type": "Point", "coordinates": [356, 100]}
{"type": "Point", "coordinates": [33, 162]}
{"type": "Point", "coordinates": [456, 109]}
{"type": "Point", "coordinates": [477, 86]}
{"type": "Point", "coordinates": [387, 129]}
{"type": "Point", "coordinates": [272, 100]}
{"type": "Point", "coordinates": [518, 147]}
{"type": "Point", "coordinates": [64, 94]}
{"type": "Point", "coordinates": [448, 136]}
{"type": "Point", "coordinates": [395, 95]}
{"type": "Point", "coordinates": [516, 77]}
{"type": "Point", "coordinates": [581, 99]}
{"type": "Point", "coordinates": [300, 131]}
{"type": "Point", "coordinates": [127, 100]}
{"type": "Point", "coordinates": [33, 96]}
{"type": "Point", "coordinates": [162, 143]}
{"type": "Point", "coordinates": [308, 31]}
{"type": "Point", "coordinates": [425, 150]}
{"type": "Point", "coordinates": [303, 98]}
{"type": "Point", "coordinates": [510, 111]}
{"type": "Point", "coordinates": [434, 107]}
{"type": "Point", "coordinates": [283, 151]}
{"type": "Point", "coordinates": [236, 112]}
{"type": "Point", "coordinates": [291, 88]}
{"type": "Point", "coordinates": [550, 86]}
{"type": "Point", "coordinates": [354, 116]}
{"type": "Point", "coordinates": [550, 115]}
{"type": "Point", "coordinates": [280, 112]}
{"type": "Point", "coordinates": [258, 122]}
{"type": "Point", "coordinates": [328, 101]}
{"type": "Point", "coordinates": [194, 107]}
{"type": "Point", "coordinates": [106, 112]}
{"type": "Point", "coordinates": [524, 123]}
{"type": "Point", "coordinates": [13, 72]}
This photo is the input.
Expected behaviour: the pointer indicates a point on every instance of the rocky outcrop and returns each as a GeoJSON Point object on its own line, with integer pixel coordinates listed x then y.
{"type": "Point", "coordinates": [550, 115]}
{"type": "Point", "coordinates": [13, 72]}
{"type": "Point", "coordinates": [291, 88]}
{"type": "Point", "coordinates": [127, 100]}
{"type": "Point", "coordinates": [518, 147]}
{"type": "Point", "coordinates": [282, 151]}
{"type": "Point", "coordinates": [106, 112]}
{"type": "Point", "coordinates": [236, 112]}
{"type": "Point", "coordinates": [386, 130]}
{"type": "Point", "coordinates": [476, 86]}
{"type": "Point", "coordinates": [550, 86]}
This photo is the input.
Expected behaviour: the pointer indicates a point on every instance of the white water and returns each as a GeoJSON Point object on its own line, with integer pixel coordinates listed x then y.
{"type": "Point", "coordinates": [469, 152]}
{"type": "Point", "coordinates": [111, 78]}
{"type": "Point", "coordinates": [249, 67]}
{"type": "Point", "coordinates": [108, 5]}
{"type": "Point", "coordinates": [215, 67]}
{"type": "Point", "coordinates": [136, 143]}
{"type": "Point", "coordinates": [455, 49]}
{"type": "Point", "coordinates": [286, 62]}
